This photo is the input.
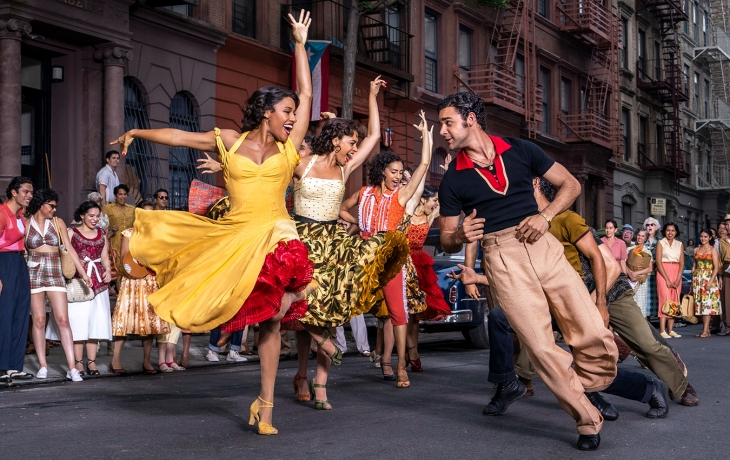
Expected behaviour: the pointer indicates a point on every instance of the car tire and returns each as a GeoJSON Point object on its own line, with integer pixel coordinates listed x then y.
{"type": "Point", "coordinates": [478, 337]}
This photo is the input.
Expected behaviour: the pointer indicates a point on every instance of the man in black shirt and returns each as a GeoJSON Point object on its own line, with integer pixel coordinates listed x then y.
{"type": "Point", "coordinates": [491, 183]}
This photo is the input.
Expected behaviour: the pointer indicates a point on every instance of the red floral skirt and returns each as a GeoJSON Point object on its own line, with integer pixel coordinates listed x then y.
{"type": "Point", "coordinates": [428, 282]}
{"type": "Point", "coordinates": [286, 269]}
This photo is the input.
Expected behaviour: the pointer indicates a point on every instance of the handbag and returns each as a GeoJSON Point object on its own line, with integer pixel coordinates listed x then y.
{"type": "Point", "coordinates": [688, 309]}
{"type": "Point", "coordinates": [78, 291]}
{"type": "Point", "coordinates": [202, 196]}
{"type": "Point", "coordinates": [67, 263]}
{"type": "Point", "coordinates": [672, 308]}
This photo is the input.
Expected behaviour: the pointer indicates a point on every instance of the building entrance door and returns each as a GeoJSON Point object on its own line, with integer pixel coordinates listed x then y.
{"type": "Point", "coordinates": [35, 120]}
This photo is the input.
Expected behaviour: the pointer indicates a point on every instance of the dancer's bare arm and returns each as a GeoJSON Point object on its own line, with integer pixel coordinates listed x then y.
{"type": "Point", "coordinates": [454, 236]}
{"type": "Point", "coordinates": [372, 140]}
{"type": "Point", "coordinates": [300, 30]}
{"type": "Point", "coordinates": [470, 260]}
{"type": "Point", "coordinates": [534, 227]}
{"type": "Point", "coordinates": [346, 206]}
{"type": "Point", "coordinates": [177, 138]}
{"type": "Point", "coordinates": [416, 198]}
{"type": "Point", "coordinates": [588, 247]}
{"type": "Point", "coordinates": [409, 190]}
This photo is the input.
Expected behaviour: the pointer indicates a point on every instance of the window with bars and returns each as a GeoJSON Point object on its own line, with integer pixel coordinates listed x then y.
{"type": "Point", "coordinates": [182, 161]}
{"type": "Point", "coordinates": [143, 170]}
{"type": "Point", "coordinates": [244, 17]}
{"type": "Point", "coordinates": [431, 51]}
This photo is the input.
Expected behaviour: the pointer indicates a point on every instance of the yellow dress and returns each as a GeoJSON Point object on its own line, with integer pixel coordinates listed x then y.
{"type": "Point", "coordinates": [207, 268]}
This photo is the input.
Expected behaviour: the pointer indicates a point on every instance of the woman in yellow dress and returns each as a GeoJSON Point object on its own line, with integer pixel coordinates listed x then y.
{"type": "Point", "coordinates": [248, 266]}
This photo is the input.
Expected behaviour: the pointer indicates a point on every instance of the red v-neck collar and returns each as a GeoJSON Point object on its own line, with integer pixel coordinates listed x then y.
{"type": "Point", "coordinates": [464, 162]}
{"type": "Point", "coordinates": [496, 180]}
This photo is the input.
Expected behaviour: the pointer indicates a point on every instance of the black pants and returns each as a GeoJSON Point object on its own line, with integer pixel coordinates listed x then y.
{"type": "Point", "coordinates": [14, 310]}
{"type": "Point", "coordinates": [627, 384]}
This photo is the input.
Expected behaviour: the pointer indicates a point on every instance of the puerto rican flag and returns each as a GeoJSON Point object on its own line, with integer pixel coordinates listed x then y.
{"type": "Point", "coordinates": [319, 64]}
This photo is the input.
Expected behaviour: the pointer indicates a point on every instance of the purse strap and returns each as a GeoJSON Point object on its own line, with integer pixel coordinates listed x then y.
{"type": "Point", "coordinates": [61, 246]}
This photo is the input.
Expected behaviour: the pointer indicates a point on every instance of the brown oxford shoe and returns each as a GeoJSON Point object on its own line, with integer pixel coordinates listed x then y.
{"type": "Point", "coordinates": [689, 398]}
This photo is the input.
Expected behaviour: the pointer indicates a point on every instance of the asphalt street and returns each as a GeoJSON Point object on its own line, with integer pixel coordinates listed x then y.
{"type": "Point", "coordinates": [202, 413]}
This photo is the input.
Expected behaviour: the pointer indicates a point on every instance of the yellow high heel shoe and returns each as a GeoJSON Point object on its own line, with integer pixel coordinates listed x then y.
{"type": "Point", "coordinates": [264, 428]}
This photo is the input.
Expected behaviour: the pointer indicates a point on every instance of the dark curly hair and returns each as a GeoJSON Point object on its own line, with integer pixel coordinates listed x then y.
{"type": "Point", "coordinates": [466, 103]}
{"type": "Point", "coordinates": [144, 203]}
{"type": "Point", "coordinates": [335, 128]}
{"type": "Point", "coordinates": [40, 197]}
{"type": "Point", "coordinates": [429, 191]}
{"type": "Point", "coordinates": [119, 187]}
{"type": "Point", "coordinates": [708, 233]}
{"type": "Point", "coordinates": [15, 184]}
{"type": "Point", "coordinates": [676, 229]}
{"type": "Point", "coordinates": [263, 99]}
{"type": "Point", "coordinates": [547, 189]}
{"type": "Point", "coordinates": [84, 208]}
{"type": "Point", "coordinates": [376, 166]}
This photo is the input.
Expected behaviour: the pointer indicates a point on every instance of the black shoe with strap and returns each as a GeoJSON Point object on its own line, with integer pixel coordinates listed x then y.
{"type": "Point", "coordinates": [387, 377]}
{"type": "Point", "coordinates": [90, 371]}
{"type": "Point", "coordinates": [507, 393]}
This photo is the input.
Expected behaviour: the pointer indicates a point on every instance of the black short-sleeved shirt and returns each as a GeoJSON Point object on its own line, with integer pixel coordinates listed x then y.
{"type": "Point", "coordinates": [464, 188]}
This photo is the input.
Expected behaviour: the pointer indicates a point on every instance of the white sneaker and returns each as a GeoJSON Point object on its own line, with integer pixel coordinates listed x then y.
{"type": "Point", "coordinates": [42, 373]}
{"type": "Point", "coordinates": [235, 357]}
{"type": "Point", "coordinates": [74, 375]}
{"type": "Point", "coordinates": [665, 335]}
{"type": "Point", "coordinates": [212, 356]}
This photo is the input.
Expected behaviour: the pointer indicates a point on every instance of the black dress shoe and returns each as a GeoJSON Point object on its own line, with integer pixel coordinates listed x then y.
{"type": "Point", "coordinates": [606, 409]}
{"type": "Point", "coordinates": [658, 401]}
{"type": "Point", "coordinates": [507, 393]}
{"type": "Point", "coordinates": [589, 441]}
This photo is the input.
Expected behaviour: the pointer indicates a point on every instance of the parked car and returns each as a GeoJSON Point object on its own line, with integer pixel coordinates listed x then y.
{"type": "Point", "coordinates": [468, 316]}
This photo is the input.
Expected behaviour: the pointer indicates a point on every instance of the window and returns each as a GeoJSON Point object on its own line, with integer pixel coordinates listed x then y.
{"type": "Point", "coordinates": [545, 82]}
{"type": "Point", "coordinates": [686, 80]}
{"type": "Point", "coordinates": [184, 116]}
{"type": "Point", "coordinates": [626, 213]}
{"type": "Point", "coordinates": [641, 50]}
{"type": "Point", "coordinates": [626, 132]}
{"type": "Point", "coordinates": [520, 78]}
{"type": "Point", "coordinates": [431, 48]}
{"type": "Point", "coordinates": [464, 48]}
{"type": "Point", "coordinates": [141, 160]}
{"type": "Point", "coordinates": [685, 8]}
{"type": "Point", "coordinates": [542, 8]}
{"type": "Point", "coordinates": [659, 145]}
{"type": "Point", "coordinates": [704, 28]}
{"type": "Point", "coordinates": [657, 61]}
{"type": "Point", "coordinates": [697, 92]}
{"type": "Point", "coordinates": [707, 99]}
{"type": "Point", "coordinates": [186, 10]}
{"type": "Point", "coordinates": [625, 42]}
{"type": "Point", "coordinates": [641, 148]}
{"type": "Point", "coordinates": [244, 17]}
{"type": "Point", "coordinates": [565, 89]}
{"type": "Point", "coordinates": [695, 28]}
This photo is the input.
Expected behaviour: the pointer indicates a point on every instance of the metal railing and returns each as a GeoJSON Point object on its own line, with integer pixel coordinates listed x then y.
{"type": "Point", "coordinates": [714, 177]}
{"type": "Point", "coordinates": [377, 41]}
{"type": "Point", "coordinates": [587, 126]}
{"type": "Point", "coordinates": [584, 16]}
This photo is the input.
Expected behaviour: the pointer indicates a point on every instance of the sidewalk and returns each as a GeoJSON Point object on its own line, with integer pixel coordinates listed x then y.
{"type": "Point", "coordinates": [132, 358]}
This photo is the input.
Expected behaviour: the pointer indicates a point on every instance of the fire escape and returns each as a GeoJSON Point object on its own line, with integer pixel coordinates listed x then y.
{"type": "Point", "coordinates": [597, 27]}
{"type": "Point", "coordinates": [666, 83]}
{"type": "Point", "coordinates": [509, 79]}
{"type": "Point", "coordinates": [714, 121]}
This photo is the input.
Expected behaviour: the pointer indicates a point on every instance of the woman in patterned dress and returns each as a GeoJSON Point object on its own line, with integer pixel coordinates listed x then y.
{"type": "Point", "coordinates": [653, 229]}
{"type": "Point", "coordinates": [381, 207]}
{"type": "Point", "coordinates": [91, 320]}
{"type": "Point", "coordinates": [641, 294]}
{"type": "Point", "coordinates": [706, 284]}
{"type": "Point", "coordinates": [133, 313]}
{"type": "Point", "coordinates": [42, 240]}
{"type": "Point", "coordinates": [347, 268]}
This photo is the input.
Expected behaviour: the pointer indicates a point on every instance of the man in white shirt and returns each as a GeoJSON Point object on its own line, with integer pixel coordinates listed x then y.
{"type": "Point", "coordinates": [106, 178]}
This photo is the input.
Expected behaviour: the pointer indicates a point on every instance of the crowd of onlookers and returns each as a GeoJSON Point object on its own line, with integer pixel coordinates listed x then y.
{"type": "Point", "coordinates": [658, 264]}
{"type": "Point", "coordinates": [73, 289]}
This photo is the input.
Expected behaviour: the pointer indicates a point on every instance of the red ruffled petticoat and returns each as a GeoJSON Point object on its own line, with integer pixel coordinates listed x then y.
{"type": "Point", "coordinates": [429, 284]}
{"type": "Point", "coordinates": [286, 269]}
